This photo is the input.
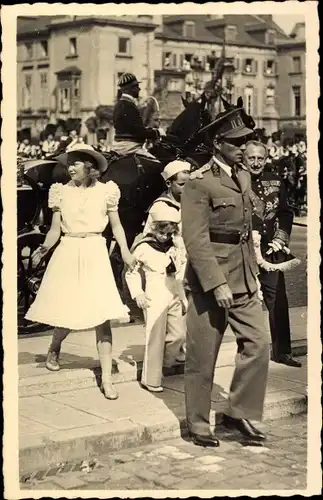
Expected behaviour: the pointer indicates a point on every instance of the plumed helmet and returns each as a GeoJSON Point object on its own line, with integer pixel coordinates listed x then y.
{"type": "Point", "coordinates": [127, 79]}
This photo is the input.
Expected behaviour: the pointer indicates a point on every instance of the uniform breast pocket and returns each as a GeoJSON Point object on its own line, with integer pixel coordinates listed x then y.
{"type": "Point", "coordinates": [223, 208]}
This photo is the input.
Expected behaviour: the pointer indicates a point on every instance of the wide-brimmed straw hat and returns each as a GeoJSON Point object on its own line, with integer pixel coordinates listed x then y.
{"type": "Point", "coordinates": [100, 163]}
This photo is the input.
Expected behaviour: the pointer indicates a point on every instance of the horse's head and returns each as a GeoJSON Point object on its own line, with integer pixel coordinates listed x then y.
{"type": "Point", "coordinates": [189, 120]}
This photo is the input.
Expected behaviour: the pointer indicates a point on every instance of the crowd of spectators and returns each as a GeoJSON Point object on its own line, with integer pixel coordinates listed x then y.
{"type": "Point", "coordinates": [288, 157]}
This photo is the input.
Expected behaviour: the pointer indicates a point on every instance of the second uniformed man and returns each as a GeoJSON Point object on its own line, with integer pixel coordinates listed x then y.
{"type": "Point", "coordinates": [221, 279]}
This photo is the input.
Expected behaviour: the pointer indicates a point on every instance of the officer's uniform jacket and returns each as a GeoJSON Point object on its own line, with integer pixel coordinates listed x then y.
{"type": "Point", "coordinates": [216, 224]}
{"type": "Point", "coordinates": [272, 216]}
{"type": "Point", "coordinates": [128, 123]}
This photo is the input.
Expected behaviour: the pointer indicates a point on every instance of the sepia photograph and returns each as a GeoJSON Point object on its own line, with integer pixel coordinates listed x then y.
{"type": "Point", "coordinates": [161, 313]}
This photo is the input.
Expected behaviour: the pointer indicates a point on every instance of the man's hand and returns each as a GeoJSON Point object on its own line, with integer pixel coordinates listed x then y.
{"type": "Point", "coordinates": [142, 301]}
{"type": "Point", "coordinates": [275, 246]}
{"type": "Point", "coordinates": [223, 296]}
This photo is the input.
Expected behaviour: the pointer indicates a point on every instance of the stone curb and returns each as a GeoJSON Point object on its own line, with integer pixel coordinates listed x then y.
{"type": "Point", "coordinates": [123, 372]}
{"type": "Point", "coordinates": [124, 434]}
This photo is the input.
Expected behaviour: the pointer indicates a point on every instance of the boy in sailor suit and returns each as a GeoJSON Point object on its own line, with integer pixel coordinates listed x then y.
{"type": "Point", "coordinates": [163, 298]}
{"type": "Point", "coordinates": [175, 174]}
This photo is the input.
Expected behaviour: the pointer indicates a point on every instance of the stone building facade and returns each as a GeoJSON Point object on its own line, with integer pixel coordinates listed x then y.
{"type": "Point", "coordinates": [68, 65]}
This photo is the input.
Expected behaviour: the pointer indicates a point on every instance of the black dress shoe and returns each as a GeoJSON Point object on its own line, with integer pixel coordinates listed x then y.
{"type": "Point", "coordinates": [287, 359]}
{"type": "Point", "coordinates": [199, 440]}
{"type": "Point", "coordinates": [244, 426]}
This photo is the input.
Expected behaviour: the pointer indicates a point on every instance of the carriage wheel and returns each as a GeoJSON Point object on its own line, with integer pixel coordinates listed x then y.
{"type": "Point", "coordinates": [29, 278]}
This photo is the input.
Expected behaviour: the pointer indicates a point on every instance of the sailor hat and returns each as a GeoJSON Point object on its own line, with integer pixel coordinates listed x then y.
{"type": "Point", "coordinates": [174, 167]}
{"type": "Point", "coordinates": [161, 212]}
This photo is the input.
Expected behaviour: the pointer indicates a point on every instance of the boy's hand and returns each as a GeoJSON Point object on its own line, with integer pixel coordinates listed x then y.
{"type": "Point", "coordinates": [184, 307]}
{"type": "Point", "coordinates": [142, 301]}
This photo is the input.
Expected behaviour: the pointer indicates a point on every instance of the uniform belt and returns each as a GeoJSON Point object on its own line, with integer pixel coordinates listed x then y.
{"type": "Point", "coordinates": [81, 235]}
{"type": "Point", "coordinates": [230, 238]}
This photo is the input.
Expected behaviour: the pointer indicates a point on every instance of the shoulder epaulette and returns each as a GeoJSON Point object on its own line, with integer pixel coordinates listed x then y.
{"type": "Point", "coordinates": [198, 174]}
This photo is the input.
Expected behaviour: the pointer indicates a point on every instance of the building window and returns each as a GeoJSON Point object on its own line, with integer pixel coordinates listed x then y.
{"type": "Point", "coordinates": [230, 34]}
{"type": "Point", "coordinates": [296, 64]}
{"type": "Point", "coordinates": [189, 29]}
{"type": "Point", "coordinates": [248, 67]}
{"type": "Point", "coordinates": [44, 48]}
{"type": "Point", "coordinates": [174, 86]}
{"type": "Point", "coordinates": [174, 60]}
{"type": "Point", "coordinates": [29, 50]}
{"type": "Point", "coordinates": [271, 37]}
{"type": "Point", "coordinates": [64, 100]}
{"type": "Point", "coordinates": [270, 67]}
{"type": "Point", "coordinates": [270, 96]}
{"type": "Point", "coordinates": [26, 92]}
{"type": "Point", "coordinates": [249, 98]}
{"type": "Point", "coordinates": [73, 47]}
{"type": "Point", "coordinates": [187, 61]}
{"type": "Point", "coordinates": [124, 46]}
{"type": "Point", "coordinates": [43, 90]}
{"type": "Point", "coordinates": [297, 101]}
{"type": "Point", "coordinates": [167, 59]}
{"type": "Point", "coordinates": [76, 88]}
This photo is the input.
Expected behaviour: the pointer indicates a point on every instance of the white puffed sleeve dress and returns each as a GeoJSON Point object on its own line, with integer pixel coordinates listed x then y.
{"type": "Point", "coordinates": [78, 290]}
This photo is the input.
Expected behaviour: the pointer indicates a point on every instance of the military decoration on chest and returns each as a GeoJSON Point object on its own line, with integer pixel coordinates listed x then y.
{"type": "Point", "coordinates": [265, 198]}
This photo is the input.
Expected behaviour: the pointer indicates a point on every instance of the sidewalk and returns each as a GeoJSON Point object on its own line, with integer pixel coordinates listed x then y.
{"type": "Point", "coordinates": [63, 416]}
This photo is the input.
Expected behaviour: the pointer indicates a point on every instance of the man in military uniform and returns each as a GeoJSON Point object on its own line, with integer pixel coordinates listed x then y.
{"type": "Point", "coordinates": [273, 219]}
{"type": "Point", "coordinates": [222, 286]}
{"type": "Point", "coordinates": [130, 132]}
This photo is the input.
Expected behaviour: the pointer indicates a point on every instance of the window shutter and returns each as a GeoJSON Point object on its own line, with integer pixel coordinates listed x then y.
{"type": "Point", "coordinates": [255, 66]}
{"type": "Point", "coordinates": [237, 63]}
{"type": "Point", "coordinates": [255, 102]}
{"type": "Point", "coordinates": [174, 60]}
{"type": "Point", "coordinates": [181, 61]}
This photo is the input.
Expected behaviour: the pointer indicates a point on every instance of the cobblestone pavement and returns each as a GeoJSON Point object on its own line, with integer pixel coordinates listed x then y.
{"type": "Point", "coordinates": [179, 465]}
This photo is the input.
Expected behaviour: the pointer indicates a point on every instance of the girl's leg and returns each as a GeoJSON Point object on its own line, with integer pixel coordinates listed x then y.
{"type": "Point", "coordinates": [104, 347]}
{"type": "Point", "coordinates": [59, 335]}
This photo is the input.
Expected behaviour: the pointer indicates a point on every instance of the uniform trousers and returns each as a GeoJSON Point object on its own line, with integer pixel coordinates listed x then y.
{"type": "Point", "coordinates": [206, 323]}
{"type": "Point", "coordinates": [165, 331]}
{"type": "Point", "coordinates": [274, 293]}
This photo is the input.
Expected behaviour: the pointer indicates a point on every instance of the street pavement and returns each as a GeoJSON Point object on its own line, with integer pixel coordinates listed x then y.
{"type": "Point", "coordinates": [177, 464]}
{"type": "Point", "coordinates": [63, 416]}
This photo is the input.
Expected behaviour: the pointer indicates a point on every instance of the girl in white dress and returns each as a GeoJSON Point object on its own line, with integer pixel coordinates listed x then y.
{"type": "Point", "coordinates": [78, 290]}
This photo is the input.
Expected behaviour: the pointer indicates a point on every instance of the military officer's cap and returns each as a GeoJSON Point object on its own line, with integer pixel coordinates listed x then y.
{"type": "Point", "coordinates": [174, 167]}
{"type": "Point", "coordinates": [232, 123]}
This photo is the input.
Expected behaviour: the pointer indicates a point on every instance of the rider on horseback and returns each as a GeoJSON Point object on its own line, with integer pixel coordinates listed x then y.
{"type": "Point", "coordinates": [130, 132]}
